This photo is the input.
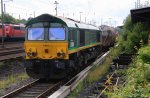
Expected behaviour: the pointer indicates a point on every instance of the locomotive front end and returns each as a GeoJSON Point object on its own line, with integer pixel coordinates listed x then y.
{"type": "Point", "coordinates": [40, 46]}
{"type": "Point", "coordinates": [46, 50]}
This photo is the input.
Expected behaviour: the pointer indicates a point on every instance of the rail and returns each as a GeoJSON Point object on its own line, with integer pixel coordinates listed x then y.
{"type": "Point", "coordinates": [36, 89]}
{"type": "Point", "coordinates": [11, 50]}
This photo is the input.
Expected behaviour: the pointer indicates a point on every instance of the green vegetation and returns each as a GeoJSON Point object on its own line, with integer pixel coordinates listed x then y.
{"type": "Point", "coordinates": [96, 73]}
{"type": "Point", "coordinates": [144, 54]}
{"type": "Point", "coordinates": [134, 40]}
{"type": "Point", "coordinates": [5, 83]}
{"type": "Point", "coordinates": [10, 79]}
{"type": "Point", "coordinates": [133, 35]}
{"type": "Point", "coordinates": [9, 19]}
{"type": "Point", "coordinates": [137, 78]}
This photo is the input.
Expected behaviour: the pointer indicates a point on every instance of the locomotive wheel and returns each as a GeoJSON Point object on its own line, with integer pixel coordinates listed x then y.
{"type": "Point", "coordinates": [74, 67]}
{"type": "Point", "coordinates": [80, 61]}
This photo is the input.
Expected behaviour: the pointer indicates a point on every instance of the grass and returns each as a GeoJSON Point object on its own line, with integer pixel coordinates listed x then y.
{"type": "Point", "coordinates": [10, 79]}
{"type": "Point", "coordinates": [5, 83]}
{"type": "Point", "coordinates": [137, 79]}
{"type": "Point", "coordinates": [95, 73]}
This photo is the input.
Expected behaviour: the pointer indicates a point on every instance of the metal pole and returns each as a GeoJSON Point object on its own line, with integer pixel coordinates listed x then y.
{"type": "Point", "coordinates": [85, 17]}
{"type": "Point", "coordinates": [19, 16]}
{"type": "Point", "coordinates": [56, 9]}
{"type": "Point", "coordinates": [4, 9]}
{"type": "Point", "coordinates": [80, 16]}
{"type": "Point", "coordinates": [56, 6]}
{"type": "Point", "coordinates": [2, 23]}
{"type": "Point", "coordinates": [101, 21]}
{"type": "Point", "coordinates": [135, 5]}
{"type": "Point", "coordinates": [34, 14]}
{"type": "Point", "coordinates": [110, 21]}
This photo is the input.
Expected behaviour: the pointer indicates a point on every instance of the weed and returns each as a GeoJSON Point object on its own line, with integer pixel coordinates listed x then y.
{"type": "Point", "coordinates": [96, 72]}
{"type": "Point", "coordinates": [5, 83]}
{"type": "Point", "coordinates": [137, 81]}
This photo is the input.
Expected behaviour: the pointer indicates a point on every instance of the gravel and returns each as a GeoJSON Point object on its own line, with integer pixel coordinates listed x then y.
{"type": "Point", "coordinates": [13, 68]}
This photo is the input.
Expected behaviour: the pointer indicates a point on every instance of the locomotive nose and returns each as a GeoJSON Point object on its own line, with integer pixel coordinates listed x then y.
{"type": "Point", "coordinates": [41, 50]}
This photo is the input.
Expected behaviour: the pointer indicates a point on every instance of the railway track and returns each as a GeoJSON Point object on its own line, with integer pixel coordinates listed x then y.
{"type": "Point", "coordinates": [72, 83]}
{"type": "Point", "coordinates": [111, 81]}
{"type": "Point", "coordinates": [43, 89]}
{"type": "Point", "coordinates": [11, 50]}
{"type": "Point", "coordinates": [6, 43]}
{"type": "Point", "coordinates": [36, 89]}
{"type": "Point", "coordinates": [12, 53]}
{"type": "Point", "coordinates": [11, 44]}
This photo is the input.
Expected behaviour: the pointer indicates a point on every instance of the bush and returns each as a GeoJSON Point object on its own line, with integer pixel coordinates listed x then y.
{"type": "Point", "coordinates": [133, 35]}
{"type": "Point", "coordinates": [144, 54]}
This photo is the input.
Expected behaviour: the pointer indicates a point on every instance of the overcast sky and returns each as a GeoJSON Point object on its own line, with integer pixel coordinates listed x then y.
{"type": "Point", "coordinates": [111, 12]}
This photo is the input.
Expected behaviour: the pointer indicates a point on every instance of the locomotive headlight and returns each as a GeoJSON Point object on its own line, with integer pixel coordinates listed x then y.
{"type": "Point", "coordinates": [61, 54]}
{"type": "Point", "coordinates": [31, 54]}
{"type": "Point", "coordinates": [58, 54]}
{"type": "Point", "coordinates": [34, 54]}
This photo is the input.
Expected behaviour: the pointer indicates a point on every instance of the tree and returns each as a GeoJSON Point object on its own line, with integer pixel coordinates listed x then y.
{"type": "Point", "coordinates": [21, 21]}
{"type": "Point", "coordinates": [8, 19]}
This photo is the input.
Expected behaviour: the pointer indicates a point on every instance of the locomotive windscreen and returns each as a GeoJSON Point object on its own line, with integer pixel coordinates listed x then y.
{"type": "Point", "coordinates": [35, 33]}
{"type": "Point", "coordinates": [56, 33]}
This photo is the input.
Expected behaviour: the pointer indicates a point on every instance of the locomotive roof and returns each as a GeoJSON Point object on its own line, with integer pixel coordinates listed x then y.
{"type": "Point", "coordinates": [68, 22]}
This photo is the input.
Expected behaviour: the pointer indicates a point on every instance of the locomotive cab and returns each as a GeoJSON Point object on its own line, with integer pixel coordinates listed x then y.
{"type": "Point", "coordinates": [46, 49]}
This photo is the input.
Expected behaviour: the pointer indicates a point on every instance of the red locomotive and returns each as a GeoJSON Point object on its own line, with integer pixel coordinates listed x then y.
{"type": "Point", "coordinates": [12, 32]}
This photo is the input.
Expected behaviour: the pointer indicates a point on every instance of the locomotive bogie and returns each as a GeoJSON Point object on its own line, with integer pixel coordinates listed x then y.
{"type": "Point", "coordinates": [46, 69]}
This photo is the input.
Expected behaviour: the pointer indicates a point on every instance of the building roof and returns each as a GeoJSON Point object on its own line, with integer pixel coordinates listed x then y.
{"type": "Point", "coordinates": [140, 15]}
